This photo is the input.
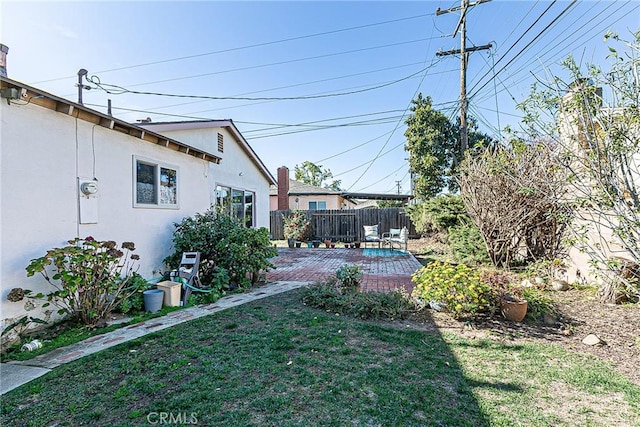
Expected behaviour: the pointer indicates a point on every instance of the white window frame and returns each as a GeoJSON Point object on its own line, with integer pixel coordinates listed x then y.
{"type": "Point", "coordinates": [230, 211]}
{"type": "Point", "coordinates": [317, 202]}
{"type": "Point", "coordinates": [158, 166]}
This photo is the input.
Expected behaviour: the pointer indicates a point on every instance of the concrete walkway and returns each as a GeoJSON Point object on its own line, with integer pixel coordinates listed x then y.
{"type": "Point", "coordinates": [16, 373]}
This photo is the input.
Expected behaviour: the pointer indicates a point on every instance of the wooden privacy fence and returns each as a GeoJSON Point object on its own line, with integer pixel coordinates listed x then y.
{"type": "Point", "coordinates": [345, 225]}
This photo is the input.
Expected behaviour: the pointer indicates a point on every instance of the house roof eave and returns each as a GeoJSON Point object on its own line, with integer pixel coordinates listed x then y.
{"type": "Point", "coordinates": [221, 123]}
{"type": "Point", "coordinates": [46, 100]}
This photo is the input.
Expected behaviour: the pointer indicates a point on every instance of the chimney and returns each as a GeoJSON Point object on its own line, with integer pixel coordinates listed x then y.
{"type": "Point", "coordinates": [283, 188]}
{"type": "Point", "coordinates": [3, 59]}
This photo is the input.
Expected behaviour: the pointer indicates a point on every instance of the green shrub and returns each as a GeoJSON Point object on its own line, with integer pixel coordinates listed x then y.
{"type": "Point", "coordinates": [366, 305]}
{"type": "Point", "coordinates": [297, 226]}
{"type": "Point", "coordinates": [538, 303]}
{"type": "Point", "coordinates": [135, 302]}
{"type": "Point", "coordinates": [438, 214]}
{"type": "Point", "coordinates": [223, 242]}
{"type": "Point", "coordinates": [467, 245]}
{"type": "Point", "coordinates": [91, 278]}
{"type": "Point", "coordinates": [349, 276]}
{"type": "Point", "coordinates": [458, 287]}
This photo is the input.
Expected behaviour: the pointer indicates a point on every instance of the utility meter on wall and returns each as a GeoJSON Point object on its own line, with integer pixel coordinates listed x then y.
{"type": "Point", "coordinates": [89, 188]}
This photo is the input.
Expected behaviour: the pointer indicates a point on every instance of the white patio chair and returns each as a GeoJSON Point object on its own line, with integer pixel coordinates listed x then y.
{"type": "Point", "coordinates": [396, 236]}
{"type": "Point", "coordinates": [371, 235]}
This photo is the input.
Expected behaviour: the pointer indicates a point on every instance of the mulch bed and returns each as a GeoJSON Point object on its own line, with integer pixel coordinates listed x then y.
{"type": "Point", "coordinates": [579, 313]}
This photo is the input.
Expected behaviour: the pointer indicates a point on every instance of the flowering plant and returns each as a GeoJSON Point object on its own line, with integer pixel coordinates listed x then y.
{"type": "Point", "coordinates": [458, 287]}
{"type": "Point", "coordinates": [90, 277]}
{"type": "Point", "coordinates": [296, 226]}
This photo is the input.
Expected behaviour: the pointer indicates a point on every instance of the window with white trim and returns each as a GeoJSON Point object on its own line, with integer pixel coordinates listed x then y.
{"type": "Point", "coordinates": [237, 203]}
{"type": "Point", "coordinates": [318, 205]}
{"type": "Point", "coordinates": [155, 184]}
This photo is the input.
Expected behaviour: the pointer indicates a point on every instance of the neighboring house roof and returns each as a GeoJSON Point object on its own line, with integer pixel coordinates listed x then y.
{"type": "Point", "coordinates": [299, 188]}
{"type": "Point", "coordinates": [46, 100]}
{"type": "Point", "coordinates": [223, 123]}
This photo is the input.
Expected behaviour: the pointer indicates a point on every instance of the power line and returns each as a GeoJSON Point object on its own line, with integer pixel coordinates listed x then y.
{"type": "Point", "coordinates": [119, 90]}
{"type": "Point", "coordinates": [365, 123]}
{"type": "Point", "coordinates": [516, 42]}
{"type": "Point", "coordinates": [585, 35]}
{"type": "Point", "coordinates": [304, 84]}
{"type": "Point", "coordinates": [381, 179]}
{"type": "Point", "coordinates": [573, 2]}
{"type": "Point", "coordinates": [284, 125]}
{"type": "Point", "coordinates": [354, 147]}
{"type": "Point", "coordinates": [324, 33]}
{"type": "Point", "coordinates": [289, 61]}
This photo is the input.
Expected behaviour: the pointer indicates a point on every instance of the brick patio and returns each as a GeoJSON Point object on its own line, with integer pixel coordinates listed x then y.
{"type": "Point", "coordinates": [381, 272]}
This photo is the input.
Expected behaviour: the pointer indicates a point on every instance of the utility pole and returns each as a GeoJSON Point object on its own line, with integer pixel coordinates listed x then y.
{"type": "Point", "coordinates": [81, 73]}
{"type": "Point", "coordinates": [464, 59]}
{"type": "Point", "coordinates": [398, 185]}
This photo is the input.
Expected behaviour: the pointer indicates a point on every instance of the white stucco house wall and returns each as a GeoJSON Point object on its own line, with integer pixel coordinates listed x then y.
{"type": "Point", "coordinates": [579, 133]}
{"type": "Point", "coordinates": [145, 180]}
{"type": "Point", "coordinates": [240, 178]}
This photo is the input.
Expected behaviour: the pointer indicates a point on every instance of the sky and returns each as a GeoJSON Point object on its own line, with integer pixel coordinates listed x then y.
{"type": "Point", "coordinates": [327, 82]}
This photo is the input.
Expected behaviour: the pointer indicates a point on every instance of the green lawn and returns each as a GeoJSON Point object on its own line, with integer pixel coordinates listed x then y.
{"type": "Point", "coordinates": [276, 362]}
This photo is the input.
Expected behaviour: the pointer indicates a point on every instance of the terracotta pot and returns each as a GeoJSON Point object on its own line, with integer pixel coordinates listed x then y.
{"type": "Point", "coordinates": [327, 243]}
{"type": "Point", "coordinates": [333, 245]}
{"type": "Point", "coordinates": [514, 310]}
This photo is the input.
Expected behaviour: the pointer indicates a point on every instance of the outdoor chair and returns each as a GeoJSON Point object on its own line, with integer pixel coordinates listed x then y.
{"type": "Point", "coordinates": [187, 274]}
{"type": "Point", "coordinates": [371, 235]}
{"type": "Point", "coordinates": [396, 236]}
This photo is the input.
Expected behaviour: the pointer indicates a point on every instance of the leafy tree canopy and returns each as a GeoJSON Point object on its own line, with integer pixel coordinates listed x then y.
{"type": "Point", "coordinates": [313, 174]}
{"type": "Point", "coordinates": [433, 143]}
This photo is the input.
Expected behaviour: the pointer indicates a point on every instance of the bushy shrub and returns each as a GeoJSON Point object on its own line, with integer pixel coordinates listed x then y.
{"type": "Point", "coordinates": [135, 302]}
{"type": "Point", "coordinates": [538, 303]}
{"type": "Point", "coordinates": [365, 305]}
{"type": "Point", "coordinates": [91, 278]}
{"type": "Point", "coordinates": [438, 214]}
{"type": "Point", "coordinates": [458, 287]}
{"type": "Point", "coordinates": [223, 242]}
{"type": "Point", "coordinates": [297, 226]}
{"type": "Point", "coordinates": [467, 245]}
{"type": "Point", "coordinates": [349, 277]}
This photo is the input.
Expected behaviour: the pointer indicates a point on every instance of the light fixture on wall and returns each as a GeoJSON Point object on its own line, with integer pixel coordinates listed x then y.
{"type": "Point", "coordinates": [241, 173]}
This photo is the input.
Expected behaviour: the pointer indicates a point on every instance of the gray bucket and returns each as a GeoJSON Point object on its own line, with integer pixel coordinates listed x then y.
{"type": "Point", "coordinates": [153, 300]}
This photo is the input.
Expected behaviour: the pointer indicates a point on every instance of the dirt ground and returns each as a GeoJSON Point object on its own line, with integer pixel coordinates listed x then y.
{"type": "Point", "coordinates": [579, 313]}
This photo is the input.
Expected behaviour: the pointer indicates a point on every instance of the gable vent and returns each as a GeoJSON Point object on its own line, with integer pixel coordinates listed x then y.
{"type": "Point", "coordinates": [220, 143]}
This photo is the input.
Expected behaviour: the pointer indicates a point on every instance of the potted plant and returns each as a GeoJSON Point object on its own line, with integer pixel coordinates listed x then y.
{"type": "Point", "coordinates": [296, 228]}
{"type": "Point", "coordinates": [512, 303]}
{"type": "Point", "coordinates": [327, 243]}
